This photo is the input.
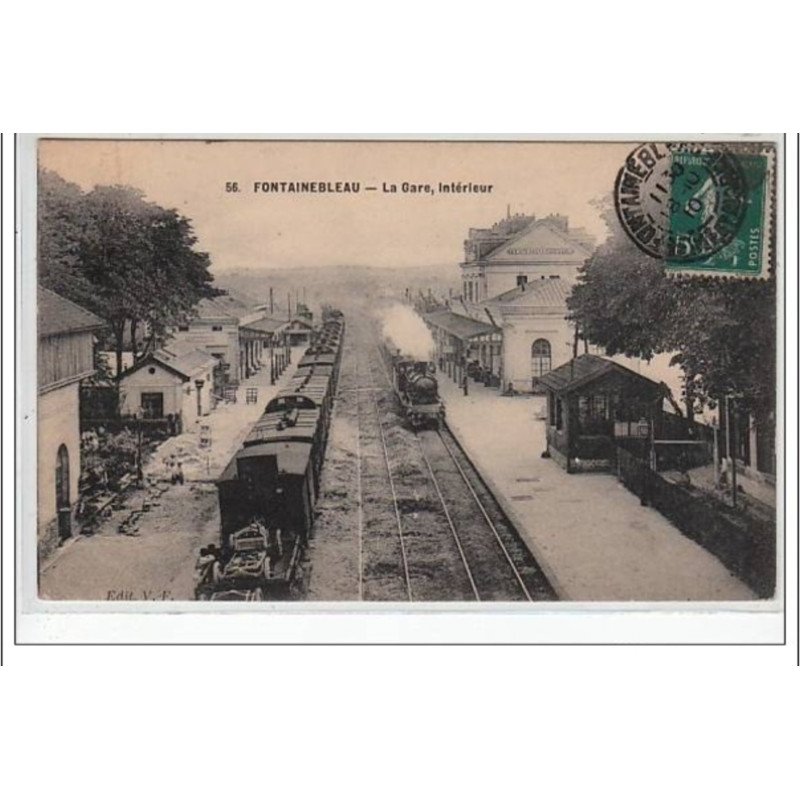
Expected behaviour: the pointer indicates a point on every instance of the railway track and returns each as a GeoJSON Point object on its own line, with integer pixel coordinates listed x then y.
{"type": "Point", "coordinates": [383, 564]}
{"type": "Point", "coordinates": [431, 564]}
{"type": "Point", "coordinates": [424, 525]}
{"type": "Point", "coordinates": [501, 566]}
{"type": "Point", "coordinates": [496, 562]}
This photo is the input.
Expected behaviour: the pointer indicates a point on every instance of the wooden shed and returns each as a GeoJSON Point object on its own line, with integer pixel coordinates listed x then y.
{"type": "Point", "coordinates": [592, 404]}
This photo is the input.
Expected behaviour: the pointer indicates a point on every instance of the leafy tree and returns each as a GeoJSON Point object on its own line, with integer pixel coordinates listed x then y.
{"type": "Point", "coordinates": [61, 227]}
{"type": "Point", "coordinates": [115, 255]}
{"type": "Point", "coordinates": [722, 334]}
{"type": "Point", "coordinates": [128, 260]}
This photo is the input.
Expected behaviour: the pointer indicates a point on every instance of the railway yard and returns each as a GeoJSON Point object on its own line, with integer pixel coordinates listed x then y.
{"type": "Point", "coordinates": [363, 494]}
{"type": "Point", "coordinates": [403, 515]}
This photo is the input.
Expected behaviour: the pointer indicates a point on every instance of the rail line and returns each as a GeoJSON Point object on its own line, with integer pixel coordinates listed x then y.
{"type": "Point", "coordinates": [453, 530]}
{"type": "Point", "coordinates": [489, 522]}
{"type": "Point", "coordinates": [497, 563]}
{"type": "Point", "coordinates": [359, 390]}
{"type": "Point", "coordinates": [457, 539]}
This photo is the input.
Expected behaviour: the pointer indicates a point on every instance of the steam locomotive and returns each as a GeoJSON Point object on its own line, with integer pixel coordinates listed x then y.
{"type": "Point", "coordinates": [416, 387]}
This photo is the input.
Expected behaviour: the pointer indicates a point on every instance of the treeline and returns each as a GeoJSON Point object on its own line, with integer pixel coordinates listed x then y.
{"type": "Point", "coordinates": [130, 261]}
{"type": "Point", "coordinates": [722, 333]}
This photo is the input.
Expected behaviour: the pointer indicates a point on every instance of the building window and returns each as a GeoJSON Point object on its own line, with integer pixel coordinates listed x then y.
{"type": "Point", "coordinates": [541, 358]}
{"type": "Point", "coordinates": [522, 280]}
{"type": "Point", "coordinates": [216, 328]}
{"type": "Point", "coordinates": [593, 415]}
{"type": "Point", "coordinates": [183, 328]}
{"type": "Point", "coordinates": [152, 405]}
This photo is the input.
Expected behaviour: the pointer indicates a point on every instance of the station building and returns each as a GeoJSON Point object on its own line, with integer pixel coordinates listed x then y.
{"type": "Point", "coordinates": [516, 278]}
{"type": "Point", "coordinates": [521, 249]}
{"type": "Point", "coordinates": [232, 330]}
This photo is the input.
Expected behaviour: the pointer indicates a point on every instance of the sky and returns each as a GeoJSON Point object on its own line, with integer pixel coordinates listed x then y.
{"type": "Point", "coordinates": [248, 229]}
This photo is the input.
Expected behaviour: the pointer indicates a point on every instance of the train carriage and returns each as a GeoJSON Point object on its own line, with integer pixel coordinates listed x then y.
{"type": "Point", "coordinates": [269, 488]}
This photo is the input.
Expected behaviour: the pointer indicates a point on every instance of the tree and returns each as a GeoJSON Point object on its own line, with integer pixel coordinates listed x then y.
{"type": "Point", "coordinates": [61, 227]}
{"type": "Point", "coordinates": [115, 256]}
{"type": "Point", "coordinates": [722, 334]}
{"type": "Point", "coordinates": [128, 260]}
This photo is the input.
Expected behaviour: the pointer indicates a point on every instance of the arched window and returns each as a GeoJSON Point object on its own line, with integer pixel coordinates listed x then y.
{"type": "Point", "coordinates": [541, 358]}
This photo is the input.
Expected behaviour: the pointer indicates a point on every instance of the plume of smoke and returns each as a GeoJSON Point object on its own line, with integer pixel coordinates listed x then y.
{"type": "Point", "coordinates": [407, 331]}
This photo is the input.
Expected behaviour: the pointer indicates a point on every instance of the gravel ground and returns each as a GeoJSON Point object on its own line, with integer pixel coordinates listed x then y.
{"type": "Point", "coordinates": [356, 496]}
{"type": "Point", "coordinates": [156, 563]}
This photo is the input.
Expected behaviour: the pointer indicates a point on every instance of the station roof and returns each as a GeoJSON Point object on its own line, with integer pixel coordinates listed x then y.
{"type": "Point", "coordinates": [547, 293]}
{"type": "Point", "coordinates": [57, 315]}
{"type": "Point", "coordinates": [184, 362]}
{"type": "Point", "coordinates": [265, 324]}
{"type": "Point", "coordinates": [585, 370]}
{"type": "Point", "coordinates": [458, 326]}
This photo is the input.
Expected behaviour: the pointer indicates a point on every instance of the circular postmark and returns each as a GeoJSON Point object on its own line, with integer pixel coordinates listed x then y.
{"type": "Point", "coordinates": [681, 202]}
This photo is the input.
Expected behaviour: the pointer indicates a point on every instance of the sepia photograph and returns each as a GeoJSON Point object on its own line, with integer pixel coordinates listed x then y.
{"type": "Point", "coordinates": [381, 372]}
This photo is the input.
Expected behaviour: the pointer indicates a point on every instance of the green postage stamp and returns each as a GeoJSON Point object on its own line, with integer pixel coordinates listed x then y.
{"type": "Point", "coordinates": [701, 208]}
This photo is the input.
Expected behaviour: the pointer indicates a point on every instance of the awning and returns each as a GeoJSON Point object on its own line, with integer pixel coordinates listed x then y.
{"type": "Point", "coordinates": [458, 326]}
{"type": "Point", "coordinates": [263, 326]}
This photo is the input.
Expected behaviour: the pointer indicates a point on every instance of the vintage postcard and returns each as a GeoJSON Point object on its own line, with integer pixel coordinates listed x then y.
{"type": "Point", "coordinates": [393, 372]}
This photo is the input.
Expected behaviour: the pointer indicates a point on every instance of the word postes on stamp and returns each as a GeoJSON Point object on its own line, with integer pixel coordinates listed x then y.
{"type": "Point", "coordinates": [702, 209]}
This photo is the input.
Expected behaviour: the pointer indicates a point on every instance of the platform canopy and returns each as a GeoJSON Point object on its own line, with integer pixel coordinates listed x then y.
{"type": "Point", "coordinates": [459, 326]}
{"type": "Point", "coordinates": [264, 325]}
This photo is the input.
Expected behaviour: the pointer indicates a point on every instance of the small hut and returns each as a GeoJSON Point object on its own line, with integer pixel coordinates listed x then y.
{"type": "Point", "coordinates": [594, 404]}
{"type": "Point", "coordinates": [298, 331]}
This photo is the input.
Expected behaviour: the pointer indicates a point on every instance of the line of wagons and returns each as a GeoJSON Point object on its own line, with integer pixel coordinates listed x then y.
{"type": "Point", "coordinates": [268, 491]}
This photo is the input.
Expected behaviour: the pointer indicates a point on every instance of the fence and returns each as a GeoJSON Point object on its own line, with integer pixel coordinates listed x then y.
{"type": "Point", "coordinates": [747, 546]}
{"type": "Point", "coordinates": [151, 428]}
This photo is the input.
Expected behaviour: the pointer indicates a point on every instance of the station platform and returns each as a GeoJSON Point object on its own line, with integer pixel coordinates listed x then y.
{"type": "Point", "coordinates": [590, 534]}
